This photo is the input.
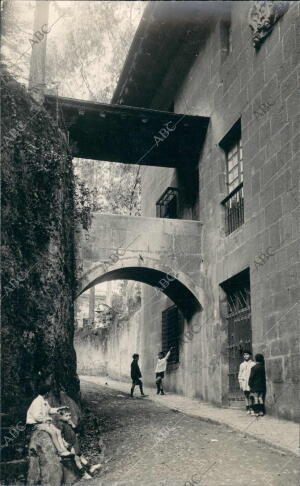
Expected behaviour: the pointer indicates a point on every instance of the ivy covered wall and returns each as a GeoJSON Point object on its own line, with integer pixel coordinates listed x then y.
{"type": "Point", "coordinates": [38, 254]}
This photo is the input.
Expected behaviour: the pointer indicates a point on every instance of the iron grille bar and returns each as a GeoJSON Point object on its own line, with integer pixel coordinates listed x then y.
{"type": "Point", "coordinates": [234, 209]}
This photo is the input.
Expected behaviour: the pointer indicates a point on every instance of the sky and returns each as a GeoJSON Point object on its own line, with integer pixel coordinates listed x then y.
{"type": "Point", "coordinates": [63, 17]}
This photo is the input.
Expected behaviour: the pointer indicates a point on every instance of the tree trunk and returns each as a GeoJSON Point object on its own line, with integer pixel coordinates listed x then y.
{"type": "Point", "coordinates": [38, 53]}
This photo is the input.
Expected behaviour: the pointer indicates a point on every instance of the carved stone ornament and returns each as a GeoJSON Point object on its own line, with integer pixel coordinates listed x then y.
{"type": "Point", "coordinates": [262, 17]}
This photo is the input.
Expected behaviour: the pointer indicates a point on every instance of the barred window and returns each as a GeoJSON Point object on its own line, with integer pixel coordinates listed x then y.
{"type": "Point", "coordinates": [167, 205]}
{"type": "Point", "coordinates": [171, 329]}
{"type": "Point", "coordinates": [234, 202]}
{"type": "Point", "coordinates": [238, 317]}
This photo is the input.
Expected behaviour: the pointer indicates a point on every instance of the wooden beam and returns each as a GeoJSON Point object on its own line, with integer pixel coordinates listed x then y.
{"type": "Point", "coordinates": [130, 135]}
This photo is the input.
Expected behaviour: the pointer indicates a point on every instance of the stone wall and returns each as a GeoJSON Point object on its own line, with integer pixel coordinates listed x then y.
{"type": "Point", "coordinates": [38, 274]}
{"type": "Point", "coordinates": [261, 88]}
{"type": "Point", "coordinates": [117, 244]}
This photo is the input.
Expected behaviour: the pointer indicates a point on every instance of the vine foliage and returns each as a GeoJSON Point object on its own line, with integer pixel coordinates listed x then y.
{"type": "Point", "coordinates": [39, 214]}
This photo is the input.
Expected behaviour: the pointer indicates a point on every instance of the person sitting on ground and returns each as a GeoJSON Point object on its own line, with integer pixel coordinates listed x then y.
{"type": "Point", "coordinates": [38, 418]}
{"type": "Point", "coordinates": [62, 419]}
{"type": "Point", "coordinates": [160, 369]}
{"type": "Point", "coordinates": [136, 375]}
{"type": "Point", "coordinates": [257, 384]}
{"type": "Point", "coordinates": [243, 377]}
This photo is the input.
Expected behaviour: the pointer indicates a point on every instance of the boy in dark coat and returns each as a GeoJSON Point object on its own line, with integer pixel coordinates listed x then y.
{"type": "Point", "coordinates": [136, 375]}
{"type": "Point", "coordinates": [257, 384]}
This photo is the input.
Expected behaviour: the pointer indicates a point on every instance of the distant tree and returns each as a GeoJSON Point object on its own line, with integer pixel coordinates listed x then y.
{"type": "Point", "coordinates": [117, 303]}
{"type": "Point", "coordinates": [85, 60]}
{"type": "Point", "coordinates": [88, 55]}
{"type": "Point", "coordinates": [16, 32]}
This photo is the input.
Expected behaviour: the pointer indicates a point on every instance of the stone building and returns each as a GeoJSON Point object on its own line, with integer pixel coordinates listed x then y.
{"type": "Point", "coordinates": [236, 63]}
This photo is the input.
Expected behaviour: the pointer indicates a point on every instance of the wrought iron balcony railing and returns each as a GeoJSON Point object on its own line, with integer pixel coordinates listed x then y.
{"type": "Point", "coordinates": [234, 209]}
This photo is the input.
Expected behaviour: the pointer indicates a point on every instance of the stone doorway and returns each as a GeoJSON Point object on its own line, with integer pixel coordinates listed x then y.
{"type": "Point", "coordinates": [239, 330]}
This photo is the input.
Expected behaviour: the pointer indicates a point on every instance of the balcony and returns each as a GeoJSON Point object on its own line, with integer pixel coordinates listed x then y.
{"type": "Point", "coordinates": [234, 209]}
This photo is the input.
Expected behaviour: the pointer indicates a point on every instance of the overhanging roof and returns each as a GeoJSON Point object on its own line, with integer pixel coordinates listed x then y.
{"type": "Point", "coordinates": [170, 36]}
{"type": "Point", "coordinates": [129, 134]}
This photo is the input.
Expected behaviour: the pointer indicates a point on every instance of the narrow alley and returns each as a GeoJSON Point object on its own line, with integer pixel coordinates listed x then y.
{"type": "Point", "coordinates": [150, 243]}
{"type": "Point", "coordinates": [148, 444]}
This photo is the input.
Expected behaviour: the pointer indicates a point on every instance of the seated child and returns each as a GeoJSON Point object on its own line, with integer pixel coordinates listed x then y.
{"type": "Point", "coordinates": [64, 422]}
{"type": "Point", "coordinates": [57, 422]}
{"type": "Point", "coordinates": [38, 417]}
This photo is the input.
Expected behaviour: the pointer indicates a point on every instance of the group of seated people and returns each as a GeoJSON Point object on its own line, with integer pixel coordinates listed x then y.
{"type": "Point", "coordinates": [57, 422]}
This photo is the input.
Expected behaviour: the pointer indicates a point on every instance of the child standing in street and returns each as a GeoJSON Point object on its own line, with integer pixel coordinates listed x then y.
{"type": "Point", "coordinates": [258, 387]}
{"type": "Point", "coordinates": [160, 369]}
{"type": "Point", "coordinates": [136, 375]}
{"type": "Point", "coordinates": [243, 377]}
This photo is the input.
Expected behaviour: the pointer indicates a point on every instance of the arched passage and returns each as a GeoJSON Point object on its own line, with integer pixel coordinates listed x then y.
{"type": "Point", "coordinates": [162, 253]}
{"type": "Point", "coordinates": [176, 285]}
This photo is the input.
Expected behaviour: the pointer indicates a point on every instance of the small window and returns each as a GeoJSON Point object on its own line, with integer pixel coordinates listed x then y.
{"type": "Point", "coordinates": [167, 205]}
{"type": "Point", "coordinates": [234, 202]}
{"type": "Point", "coordinates": [171, 329]}
{"type": "Point", "coordinates": [225, 35]}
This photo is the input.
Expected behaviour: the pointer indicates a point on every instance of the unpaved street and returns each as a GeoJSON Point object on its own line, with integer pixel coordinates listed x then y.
{"type": "Point", "coordinates": [147, 444]}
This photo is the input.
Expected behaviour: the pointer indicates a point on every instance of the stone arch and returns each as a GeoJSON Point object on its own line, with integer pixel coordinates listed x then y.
{"type": "Point", "coordinates": [177, 285]}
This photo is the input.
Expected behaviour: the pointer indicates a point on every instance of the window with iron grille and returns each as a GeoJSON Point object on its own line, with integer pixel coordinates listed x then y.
{"type": "Point", "coordinates": [171, 330]}
{"type": "Point", "coordinates": [238, 317]}
{"type": "Point", "coordinates": [167, 205]}
{"type": "Point", "coordinates": [234, 202]}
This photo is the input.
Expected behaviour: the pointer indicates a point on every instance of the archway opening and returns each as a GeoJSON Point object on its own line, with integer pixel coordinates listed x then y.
{"type": "Point", "coordinates": [135, 309]}
{"type": "Point", "coordinates": [167, 283]}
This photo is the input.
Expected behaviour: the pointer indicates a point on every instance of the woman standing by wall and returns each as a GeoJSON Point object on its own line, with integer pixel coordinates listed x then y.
{"type": "Point", "coordinates": [257, 384]}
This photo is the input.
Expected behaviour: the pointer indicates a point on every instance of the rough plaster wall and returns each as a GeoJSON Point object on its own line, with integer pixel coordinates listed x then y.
{"type": "Point", "coordinates": [153, 305]}
{"type": "Point", "coordinates": [109, 352]}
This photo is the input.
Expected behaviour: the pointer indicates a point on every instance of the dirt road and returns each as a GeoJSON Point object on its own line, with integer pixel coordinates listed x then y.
{"type": "Point", "coordinates": [147, 444]}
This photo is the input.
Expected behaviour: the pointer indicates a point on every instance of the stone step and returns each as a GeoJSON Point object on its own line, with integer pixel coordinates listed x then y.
{"type": "Point", "coordinates": [238, 404]}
